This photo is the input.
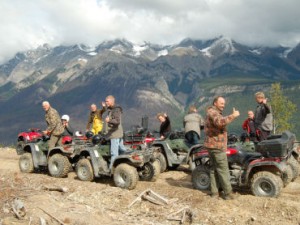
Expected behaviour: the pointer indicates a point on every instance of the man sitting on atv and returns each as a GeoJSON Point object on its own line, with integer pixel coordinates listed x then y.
{"type": "Point", "coordinates": [69, 131]}
{"type": "Point", "coordinates": [192, 123]}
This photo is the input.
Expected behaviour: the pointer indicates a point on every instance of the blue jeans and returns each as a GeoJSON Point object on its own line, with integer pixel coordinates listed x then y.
{"type": "Point", "coordinates": [192, 137]}
{"type": "Point", "coordinates": [116, 147]}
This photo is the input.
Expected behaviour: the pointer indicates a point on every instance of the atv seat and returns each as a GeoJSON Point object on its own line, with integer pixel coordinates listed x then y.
{"type": "Point", "coordinates": [244, 157]}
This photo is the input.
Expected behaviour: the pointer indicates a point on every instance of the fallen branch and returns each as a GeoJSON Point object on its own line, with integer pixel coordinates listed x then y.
{"type": "Point", "coordinates": [18, 208]}
{"type": "Point", "coordinates": [186, 211]}
{"type": "Point", "coordinates": [152, 197]}
{"type": "Point", "coordinates": [42, 221]}
{"type": "Point", "coordinates": [60, 189]}
{"type": "Point", "coordinates": [58, 220]}
{"type": "Point", "coordinates": [138, 198]}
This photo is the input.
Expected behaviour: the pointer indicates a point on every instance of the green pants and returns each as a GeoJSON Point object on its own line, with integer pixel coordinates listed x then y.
{"type": "Point", "coordinates": [219, 172]}
{"type": "Point", "coordinates": [54, 140]}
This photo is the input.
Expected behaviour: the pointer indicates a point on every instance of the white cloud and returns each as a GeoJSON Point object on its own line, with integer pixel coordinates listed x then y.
{"type": "Point", "coordinates": [30, 23]}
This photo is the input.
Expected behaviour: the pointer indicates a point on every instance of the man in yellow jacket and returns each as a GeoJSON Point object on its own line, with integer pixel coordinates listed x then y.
{"type": "Point", "coordinates": [95, 118]}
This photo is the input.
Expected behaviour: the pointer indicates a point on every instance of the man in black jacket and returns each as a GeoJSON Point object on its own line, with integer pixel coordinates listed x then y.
{"type": "Point", "coordinates": [263, 118]}
{"type": "Point", "coordinates": [165, 125]}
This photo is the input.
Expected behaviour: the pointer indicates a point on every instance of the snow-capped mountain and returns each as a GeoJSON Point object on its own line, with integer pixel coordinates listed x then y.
{"type": "Point", "coordinates": [145, 78]}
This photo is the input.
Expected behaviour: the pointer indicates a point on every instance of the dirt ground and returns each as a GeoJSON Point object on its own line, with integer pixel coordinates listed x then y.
{"type": "Point", "coordinates": [99, 202]}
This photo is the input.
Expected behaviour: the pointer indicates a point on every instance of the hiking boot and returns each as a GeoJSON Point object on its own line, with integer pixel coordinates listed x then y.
{"type": "Point", "coordinates": [214, 195]}
{"type": "Point", "coordinates": [229, 196]}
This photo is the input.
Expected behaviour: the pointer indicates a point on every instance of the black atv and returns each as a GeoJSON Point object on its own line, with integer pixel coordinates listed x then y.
{"type": "Point", "coordinates": [265, 171]}
{"type": "Point", "coordinates": [127, 168]}
{"type": "Point", "coordinates": [175, 151]}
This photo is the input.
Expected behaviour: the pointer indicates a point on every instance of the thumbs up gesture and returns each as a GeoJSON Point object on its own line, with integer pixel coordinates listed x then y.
{"type": "Point", "coordinates": [235, 113]}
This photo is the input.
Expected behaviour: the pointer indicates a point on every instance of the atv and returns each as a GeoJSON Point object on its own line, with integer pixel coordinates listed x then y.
{"type": "Point", "coordinates": [127, 167]}
{"type": "Point", "coordinates": [265, 171]}
{"type": "Point", "coordinates": [35, 154]}
{"type": "Point", "coordinates": [139, 135]}
{"type": "Point", "coordinates": [175, 151]}
{"type": "Point", "coordinates": [136, 139]}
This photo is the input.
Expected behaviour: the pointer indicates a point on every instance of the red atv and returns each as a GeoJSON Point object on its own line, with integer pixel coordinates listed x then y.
{"type": "Point", "coordinates": [34, 135]}
{"type": "Point", "coordinates": [139, 135]}
{"type": "Point", "coordinates": [135, 139]}
{"type": "Point", "coordinates": [265, 171]}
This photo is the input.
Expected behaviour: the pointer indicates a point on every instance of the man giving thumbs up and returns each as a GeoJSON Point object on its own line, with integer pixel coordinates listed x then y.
{"type": "Point", "coordinates": [216, 143]}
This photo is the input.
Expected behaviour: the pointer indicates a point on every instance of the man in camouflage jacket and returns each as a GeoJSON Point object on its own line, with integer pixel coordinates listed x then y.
{"type": "Point", "coordinates": [54, 125]}
{"type": "Point", "coordinates": [216, 143]}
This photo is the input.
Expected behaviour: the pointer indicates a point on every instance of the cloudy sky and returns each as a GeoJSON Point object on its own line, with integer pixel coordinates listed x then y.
{"type": "Point", "coordinates": [26, 24]}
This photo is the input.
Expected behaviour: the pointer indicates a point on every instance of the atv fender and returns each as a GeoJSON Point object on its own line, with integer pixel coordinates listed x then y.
{"type": "Point", "coordinates": [267, 164]}
{"type": "Point", "coordinates": [166, 150]}
{"type": "Point", "coordinates": [55, 150]}
{"type": "Point", "coordinates": [94, 156]}
{"type": "Point", "coordinates": [295, 153]}
{"type": "Point", "coordinates": [38, 156]}
{"type": "Point", "coordinates": [138, 162]}
{"type": "Point", "coordinates": [190, 152]}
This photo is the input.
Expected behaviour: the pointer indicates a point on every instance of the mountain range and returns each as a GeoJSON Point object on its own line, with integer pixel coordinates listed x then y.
{"type": "Point", "coordinates": [145, 79]}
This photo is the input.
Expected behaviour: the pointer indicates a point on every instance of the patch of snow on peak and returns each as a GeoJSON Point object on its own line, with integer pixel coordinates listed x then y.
{"type": "Point", "coordinates": [162, 52]}
{"type": "Point", "coordinates": [227, 44]}
{"type": "Point", "coordinates": [286, 52]}
{"type": "Point", "coordinates": [85, 48]}
{"type": "Point", "coordinates": [138, 49]}
{"type": "Point", "coordinates": [83, 60]}
{"type": "Point", "coordinates": [118, 49]}
{"type": "Point", "coordinates": [92, 53]}
{"type": "Point", "coordinates": [206, 52]}
{"type": "Point", "coordinates": [255, 51]}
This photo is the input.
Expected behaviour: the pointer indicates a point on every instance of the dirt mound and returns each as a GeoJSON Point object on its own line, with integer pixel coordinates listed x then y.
{"type": "Point", "coordinates": [70, 201]}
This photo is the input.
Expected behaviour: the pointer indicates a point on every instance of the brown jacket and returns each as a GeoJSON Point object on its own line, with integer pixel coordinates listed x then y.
{"type": "Point", "coordinates": [115, 129]}
{"type": "Point", "coordinates": [54, 125]}
{"type": "Point", "coordinates": [215, 129]}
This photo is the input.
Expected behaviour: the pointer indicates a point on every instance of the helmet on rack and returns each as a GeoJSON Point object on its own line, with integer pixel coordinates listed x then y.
{"type": "Point", "coordinates": [96, 139]}
{"type": "Point", "coordinates": [89, 134]}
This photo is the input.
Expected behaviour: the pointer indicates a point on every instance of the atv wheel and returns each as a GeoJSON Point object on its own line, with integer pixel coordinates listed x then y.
{"type": "Point", "coordinates": [156, 165]}
{"type": "Point", "coordinates": [201, 177]}
{"type": "Point", "coordinates": [287, 175]}
{"type": "Point", "coordinates": [192, 165]}
{"type": "Point", "coordinates": [84, 170]}
{"type": "Point", "coordinates": [173, 167]}
{"type": "Point", "coordinates": [20, 147]}
{"type": "Point", "coordinates": [266, 184]}
{"type": "Point", "coordinates": [26, 163]}
{"type": "Point", "coordinates": [58, 165]}
{"type": "Point", "coordinates": [163, 162]}
{"type": "Point", "coordinates": [295, 167]}
{"type": "Point", "coordinates": [125, 176]}
{"type": "Point", "coordinates": [150, 171]}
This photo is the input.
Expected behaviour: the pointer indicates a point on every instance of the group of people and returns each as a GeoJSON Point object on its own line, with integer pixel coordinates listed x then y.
{"type": "Point", "coordinates": [58, 127]}
{"type": "Point", "coordinates": [258, 126]}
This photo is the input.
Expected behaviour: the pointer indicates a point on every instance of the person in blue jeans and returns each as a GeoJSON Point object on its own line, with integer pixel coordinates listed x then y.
{"type": "Point", "coordinates": [193, 123]}
{"type": "Point", "coordinates": [115, 129]}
